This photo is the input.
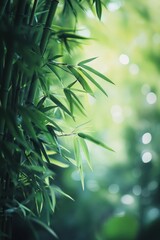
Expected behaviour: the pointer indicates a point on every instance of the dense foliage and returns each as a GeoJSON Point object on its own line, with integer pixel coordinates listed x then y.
{"type": "Point", "coordinates": [41, 97]}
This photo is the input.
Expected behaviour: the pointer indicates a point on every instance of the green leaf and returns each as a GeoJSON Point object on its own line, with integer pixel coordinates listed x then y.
{"type": "Point", "coordinates": [35, 168]}
{"type": "Point", "coordinates": [85, 151]}
{"type": "Point", "coordinates": [63, 193]}
{"type": "Point", "coordinates": [42, 224]}
{"type": "Point", "coordinates": [51, 67]}
{"type": "Point", "coordinates": [43, 150]}
{"type": "Point", "coordinates": [86, 61]}
{"type": "Point", "coordinates": [81, 80]}
{"type": "Point", "coordinates": [41, 101]}
{"type": "Point", "coordinates": [39, 201]}
{"type": "Point", "coordinates": [28, 127]}
{"type": "Point", "coordinates": [69, 98]}
{"type": "Point", "coordinates": [74, 100]}
{"type": "Point", "coordinates": [60, 105]}
{"type": "Point", "coordinates": [81, 176]}
{"type": "Point", "coordinates": [72, 36]}
{"type": "Point", "coordinates": [91, 139]}
{"type": "Point", "coordinates": [97, 73]}
{"type": "Point", "coordinates": [53, 197]}
{"type": "Point", "coordinates": [58, 163]}
{"type": "Point", "coordinates": [77, 151]}
{"type": "Point", "coordinates": [93, 81]}
{"type": "Point", "coordinates": [15, 130]}
{"type": "Point", "coordinates": [98, 8]}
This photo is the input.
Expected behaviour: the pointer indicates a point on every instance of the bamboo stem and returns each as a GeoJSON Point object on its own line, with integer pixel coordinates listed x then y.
{"type": "Point", "coordinates": [7, 72]}
{"type": "Point", "coordinates": [48, 24]}
{"type": "Point", "coordinates": [3, 5]}
{"type": "Point", "coordinates": [33, 12]}
{"type": "Point", "coordinates": [43, 44]}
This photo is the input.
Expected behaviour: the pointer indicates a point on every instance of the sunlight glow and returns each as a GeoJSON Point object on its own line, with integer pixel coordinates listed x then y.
{"type": "Point", "coordinates": [124, 59]}
{"type": "Point", "coordinates": [127, 199]}
{"type": "Point", "coordinates": [90, 14]}
{"type": "Point", "coordinates": [146, 157]}
{"type": "Point", "coordinates": [117, 114]}
{"type": "Point", "coordinates": [146, 138]}
{"type": "Point", "coordinates": [114, 6]}
{"type": "Point", "coordinates": [151, 98]}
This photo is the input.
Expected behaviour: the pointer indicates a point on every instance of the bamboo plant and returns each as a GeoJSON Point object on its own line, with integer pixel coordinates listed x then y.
{"type": "Point", "coordinates": [31, 42]}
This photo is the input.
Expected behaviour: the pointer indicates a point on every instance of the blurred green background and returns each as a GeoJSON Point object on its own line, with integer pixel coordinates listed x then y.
{"type": "Point", "coordinates": [121, 200]}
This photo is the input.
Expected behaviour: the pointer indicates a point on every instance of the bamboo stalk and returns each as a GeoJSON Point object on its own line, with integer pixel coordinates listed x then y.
{"type": "Point", "coordinates": [33, 12]}
{"type": "Point", "coordinates": [7, 72]}
{"type": "Point", "coordinates": [3, 5]}
{"type": "Point", "coordinates": [48, 24]}
{"type": "Point", "coordinates": [43, 44]}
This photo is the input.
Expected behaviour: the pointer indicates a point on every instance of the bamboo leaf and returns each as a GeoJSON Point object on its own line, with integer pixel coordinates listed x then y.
{"type": "Point", "coordinates": [98, 8]}
{"type": "Point", "coordinates": [39, 201]}
{"type": "Point", "coordinates": [53, 197]}
{"type": "Point", "coordinates": [51, 67]}
{"type": "Point", "coordinates": [42, 224]}
{"type": "Point", "coordinates": [97, 142]}
{"type": "Point", "coordinates": [86, 61]}
{"type": "Point", "coordinates": [69, 98]}
{"type": "Point", "coordinates": [27, 124]}
{"type": "Point", "coordinates": [97, 73]}
{"type": "Point", "coordinates": [35, 168]}
{"type": "Point", "coordinates": [77, 151]}
{"type": "Point", "coordinates": [85, 151]}
{"type": "Point", "coordinates": [63, 193]}
{"type": "Point", "coordinates": [93, 81]}
{"type": "Point", "coordinates": [60, 105]}
{"type": "Point", "coordinates": [81, 176]}
{"type": "Point", "coordinates": [81, 80]}
{"type": "Point", "coordinates": [43, 150]}
{"type": "Point", "coordinates": [58, 163]}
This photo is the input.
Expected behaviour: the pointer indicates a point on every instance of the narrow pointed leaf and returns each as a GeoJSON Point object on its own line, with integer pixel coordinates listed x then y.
{"type": "Point", "coordinates": [63, 193]}
{"type": "Point", "coordinates": [86, 61]}
{"type": "Point", "coordinates": [42, 224]}
{"type": "Point", "coordinates": [77, 151]}
{"type": "Point", "coordinates": [81, 176]}
{"type": "Point", "coordinates": [97, 73]}
{"type": "Point", "coordinates": [98, 8]}
{"type": "Point", "coordinates": [97, 142]}
{"type": "Point", "coordinates": [93, 81]}
{"type": "Point", "coordinates": [85, 151]}
{"type": "Point", "coordinates": [69, 98]}
{"type": "Point", "coordinates": [81, 80]}
{"type": "Point", "coordinates": [58, 163]}
{"type": "Point", "coordinates": [60, 105]}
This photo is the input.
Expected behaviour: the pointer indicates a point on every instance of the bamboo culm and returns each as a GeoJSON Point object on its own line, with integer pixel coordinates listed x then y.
{"type": "Point", "coordinates": [43, 44]}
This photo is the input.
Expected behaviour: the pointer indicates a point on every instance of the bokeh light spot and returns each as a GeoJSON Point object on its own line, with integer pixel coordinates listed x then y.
{"type": "Point", "coordinates": [151, 98]}
{"type": "Point", "coordinates": [146, 138]}
{"type": "Point", "coordinates": [114, 6]}
{"type": "Point", "coordinates": [146, 157]}
{"type": "Point", "coordinates": [124, 59]}
{"type": "Point", "coordinates": [127, 199]}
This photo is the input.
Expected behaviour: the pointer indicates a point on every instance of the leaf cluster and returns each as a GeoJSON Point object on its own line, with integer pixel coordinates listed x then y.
{"type": "Point", "coordinates": [31, 112]}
